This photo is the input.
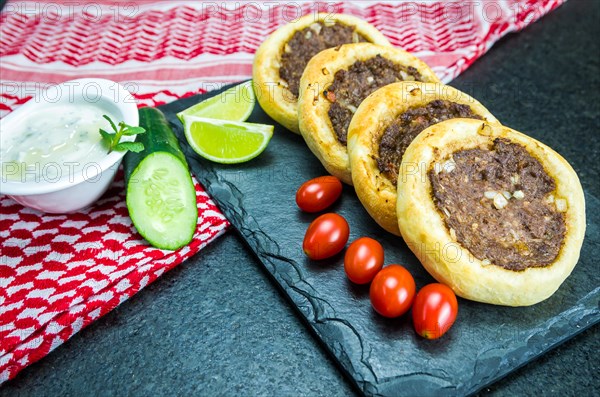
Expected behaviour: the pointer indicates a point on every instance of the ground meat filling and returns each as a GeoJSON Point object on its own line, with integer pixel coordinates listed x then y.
{"type": "Point", "coordinates": [398, 135]}
{"type": "Point", "coordinates": [499, 203]}
{"type": "Point", "coordinates": [350, 87]}
{"type": "Point", "coordinates": [307, 43]}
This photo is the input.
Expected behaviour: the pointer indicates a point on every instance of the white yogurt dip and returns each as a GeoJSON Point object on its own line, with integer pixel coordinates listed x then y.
{"type": "Point", "coordinates": [54, 142]}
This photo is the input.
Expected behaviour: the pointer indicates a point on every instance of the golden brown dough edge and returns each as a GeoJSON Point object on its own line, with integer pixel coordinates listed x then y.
{"type": "Point", "coordinates": [272, 95]}
{"type": "Point", "coordinates": [447, 261]}
{"type": "Point", "coordinates": [314, 122]}
{"type": "Point", "coordinates": [374, 190]}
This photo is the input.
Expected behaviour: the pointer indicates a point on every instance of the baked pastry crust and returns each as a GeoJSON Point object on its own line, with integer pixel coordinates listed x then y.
{"type": "Point", "coordinates": [313, 107]}
{"type": "Point", "coordinates": [375, 191]}
{"type": "Point", "coordinates": [425, 232]}
{"type": "Point", "coordinates": [271, 92]}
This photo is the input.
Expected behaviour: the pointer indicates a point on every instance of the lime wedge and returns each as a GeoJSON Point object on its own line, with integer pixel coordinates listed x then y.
{"type": "Point", "coordinates": [226, 142]}
{"type": "Point", "coordinates": [235, 104]}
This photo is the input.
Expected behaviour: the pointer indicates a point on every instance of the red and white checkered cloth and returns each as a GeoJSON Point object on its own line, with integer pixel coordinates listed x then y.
{"type": "Point", "coordinates": [58, 273]}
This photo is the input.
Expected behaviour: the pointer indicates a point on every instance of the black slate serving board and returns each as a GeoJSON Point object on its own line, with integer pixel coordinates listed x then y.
{"type": "Point", "coordinates": [385, 357]}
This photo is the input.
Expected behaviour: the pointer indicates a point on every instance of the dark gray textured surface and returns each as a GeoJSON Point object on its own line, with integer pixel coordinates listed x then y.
{"type": "Point", "coordinates": [215, 325]}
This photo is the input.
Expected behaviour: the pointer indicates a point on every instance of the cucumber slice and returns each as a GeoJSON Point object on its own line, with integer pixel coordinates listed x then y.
{"type": "Point", "coordinates": [161, 197]}
{"type": "Point", "coordinates": [162, 201]}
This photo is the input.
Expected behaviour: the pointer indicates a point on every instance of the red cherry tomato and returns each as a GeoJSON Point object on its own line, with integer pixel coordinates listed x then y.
{"type": "Point", "coordinates": [392, 291]}
{"type": "Point", "coordinates": [434, 310]}
{"type": "Point", "coordinates": [326, 236]}
{"type": "Point", "coordinates": [363, 259]}
{"type": "Point", "coordinates": [318, 193]}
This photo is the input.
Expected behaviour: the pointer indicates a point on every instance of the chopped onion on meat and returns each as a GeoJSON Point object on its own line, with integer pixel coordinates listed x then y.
{"type": "Point", "coordinates": [500, 202]}
{"type": "Point", "coordinates": [519, 195]}
{"type": "Point", "coordinates": [490, 194]}
{"type": "Point", "coordinates": [316, 27]}
{"type": "Point", "coordinates": [449, 166]}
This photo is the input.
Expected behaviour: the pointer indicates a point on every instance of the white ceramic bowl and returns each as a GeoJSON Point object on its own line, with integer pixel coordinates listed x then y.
{"type": "Point", "coordinates": [79, 189]}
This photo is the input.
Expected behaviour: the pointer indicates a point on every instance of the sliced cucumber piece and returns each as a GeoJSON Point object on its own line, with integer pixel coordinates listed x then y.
{"type": "Point", "coordinates": [161, 197]}
{"type": "Point", "coordinates": [162, 201]}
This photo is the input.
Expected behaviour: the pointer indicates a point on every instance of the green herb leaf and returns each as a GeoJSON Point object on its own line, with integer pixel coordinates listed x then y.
{"type": "Point", "coordinates": [133, 130]}
{"type": "Point", "coordinates": [131, 146]}
{"type": "Point", "coordinates": [112, 124]}
{"type": "Point", "coordinates": [107, 138]}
